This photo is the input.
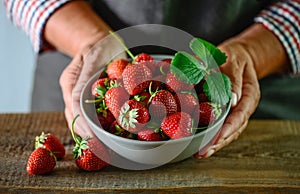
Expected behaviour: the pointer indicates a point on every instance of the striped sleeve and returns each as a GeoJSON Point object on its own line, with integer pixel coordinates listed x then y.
{"type": "Point", "coordinates": [283, 19]}
{"type": "Point", "coordinates": [31, 16]}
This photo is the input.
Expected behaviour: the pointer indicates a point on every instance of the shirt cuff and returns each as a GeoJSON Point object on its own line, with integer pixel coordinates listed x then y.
{"type": "Point", "coordinates": [283, 19]}
{"type": "Point", "coordinates": [31, 16]}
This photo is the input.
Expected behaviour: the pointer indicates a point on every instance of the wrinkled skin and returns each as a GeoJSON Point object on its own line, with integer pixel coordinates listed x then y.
{"type": "Point", "coordinates": [85, 64]}
{"type": "Point", "coordinates": [246, 94]}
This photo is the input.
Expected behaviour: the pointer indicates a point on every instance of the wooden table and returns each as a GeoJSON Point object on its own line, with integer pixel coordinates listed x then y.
{"type": "Point", "coordinates": [265, 159]}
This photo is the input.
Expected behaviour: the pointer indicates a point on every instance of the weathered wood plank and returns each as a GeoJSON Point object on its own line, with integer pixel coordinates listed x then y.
{"type": "Point", "coordinates": [264, 159]}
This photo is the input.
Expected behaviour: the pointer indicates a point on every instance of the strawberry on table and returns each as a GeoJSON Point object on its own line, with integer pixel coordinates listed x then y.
{"type": "Point", "coordinates": [177, 125]}
{"type": "Point", "coordinates": [85, 152]}
{"type": "Point", "coordinates": [41, 161]}
{"type": "Point", "coordinates": [52, 143]}
{"type": "Point", "coordinates": [133, 116]}
{"type": "Point", "coordinates": [116, 68]}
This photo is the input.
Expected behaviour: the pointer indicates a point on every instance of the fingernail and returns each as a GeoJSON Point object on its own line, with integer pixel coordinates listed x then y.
{"type": "Point", "coordinates": [210, 152]}
{"type": "Point", "coordinates": [197, 156]}
{"type": "Point", "coordinates": [234, 99]}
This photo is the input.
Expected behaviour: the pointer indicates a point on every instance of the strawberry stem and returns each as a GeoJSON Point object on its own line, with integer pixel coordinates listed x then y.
{"type": "Point", "coordinates": [72, 130]}
{"type": "Point", "coordinates": [93, 101]}
{"type": "Point", "coordinates": [122, 44]}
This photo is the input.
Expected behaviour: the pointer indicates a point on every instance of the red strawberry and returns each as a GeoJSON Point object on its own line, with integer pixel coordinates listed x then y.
{"type": "Point", "coordinates": [114, 99]}
{"type": "Point", "coordinates": [152, 65]}
{"type": "Point", "coordinates": [202, 97]}
{"type": "Point", "coordinates": [162, 103]}
{"type": "Point", "coordinates": [143, 98]}
{"type": "Point", "coordinates": [177, 125]}
{"type": "Point", "coordinates": [186, 103]}
{"type": "Point", "coordinates": [41, 161]}
{"type": "Point", "coordinates": [51, 143]}
{"type": "Point", "coordinates": [100, 87]}
{"type": "Point", "coordinates": [174, 84]}
{"type": "Point", "coordinates": [116, 129]}
{"type": "Point", "coordinates": [87, 153]}
{"type": "Point", "coordinates": [208, 113]}
{"type": "Point", "coordinates": [143, 57]}
{"type": "Point", "coordinates": [135, 78]}
{"type": "Point", "coordinates": [199, 87]}
{"type": "Point", "coordinates": [163, 67]}
{"type": "Point", "coordinates": [116, 68]}
{"type": "Point", "coordinates": [105, 117]}
{"type": "Point", "coordinates": [133, 116]}
{"type": "Point", "coordinates": [149, 135]}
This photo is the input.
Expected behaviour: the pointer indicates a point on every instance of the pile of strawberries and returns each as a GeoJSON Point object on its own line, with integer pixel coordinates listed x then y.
{"type": "Point", "coordinates": [49, 149]}
{"type": "Point", "coordinates": [142, 99]}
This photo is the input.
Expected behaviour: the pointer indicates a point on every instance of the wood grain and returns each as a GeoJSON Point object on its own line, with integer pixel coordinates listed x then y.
{"type": "Point", "coordinates": [265, 159]}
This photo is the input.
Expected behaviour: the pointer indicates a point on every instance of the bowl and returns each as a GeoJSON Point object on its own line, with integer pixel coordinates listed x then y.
{"type": "Point", "coordinates": [154, 153]}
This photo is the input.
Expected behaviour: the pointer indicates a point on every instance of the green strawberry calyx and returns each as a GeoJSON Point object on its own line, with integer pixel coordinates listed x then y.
{"type": "Point", "coordinates": [40, 140]}
{"type": "Point", "coordinates": [81, 143]}
{"type": "Point", "coordinates": [192, 69]}
{"type": "Point", "coordinates": [127, 118]}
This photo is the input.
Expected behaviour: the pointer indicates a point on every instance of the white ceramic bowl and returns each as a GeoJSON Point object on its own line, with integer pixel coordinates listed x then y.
{"type": "Point", "coordinates": [148, 153]}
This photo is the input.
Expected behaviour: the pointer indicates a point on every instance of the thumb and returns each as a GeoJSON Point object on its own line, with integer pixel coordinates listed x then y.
{"type": "Point", "coordinates": [67, 81]}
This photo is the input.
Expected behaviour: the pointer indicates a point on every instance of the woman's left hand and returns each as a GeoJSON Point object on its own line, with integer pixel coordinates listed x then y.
{"type": "Point", "coordinates": [246, 94]}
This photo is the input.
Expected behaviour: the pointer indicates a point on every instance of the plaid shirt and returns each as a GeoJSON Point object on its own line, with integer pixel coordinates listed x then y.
{"type": "Point", "coordinates": [282, 18]}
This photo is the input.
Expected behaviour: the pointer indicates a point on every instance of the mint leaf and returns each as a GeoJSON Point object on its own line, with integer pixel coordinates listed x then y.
{"type": "Point", "coordinates": [187, 68]}
{"type": "Point", "coordinates": [208, 53]}
{"type": "Point", "coordinates": [218, 88]}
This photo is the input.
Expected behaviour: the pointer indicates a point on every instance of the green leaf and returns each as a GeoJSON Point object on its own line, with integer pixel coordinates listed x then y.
{"type": "Point", "coordinates": [208, 53]}
{"type": "Point", "coordinates": [218, 88]}
{"type": "Point", "coordinates": [187, 68]}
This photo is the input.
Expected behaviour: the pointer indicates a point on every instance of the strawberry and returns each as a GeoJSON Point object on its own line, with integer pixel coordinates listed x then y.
{"type": "Point", "coordinates": [174, 84]}
{"type": "Point", "coordinates": [163, 67]}
{"type": "Point", "coordinates": [133, 116]}
{"type": "Point", "coordinates": [105, 117]}
{"type": "Point", "coordinates": [162, 103]}
{"type": "Point", "coordinates": [99, 87]}
{"type": "Point", "coordinates": [116, 68]}
{"type": "Point", "coordinates": [116, 129]}
{"type": "Point", "coordinates": [52, 143]}
{"type": "Point", "coordinates": [136, 78]}
{"type": "Point", "coordinates": [41, 161]}
{"type": "Point", "coordinates": [149, 135]}
{"type": "Point", "coordinates": [208, 113]}
{"type": "Point", "coordinates": [143, 57]}
{"type": "Point", "coordinates": [186, 102]}
{"type": "Point", "coordinates": [177, 125]}
{"type": "Point", "coordinates": [87, 152]}
{"type": "Point", "coordinates": [199, 87]}
{"type": "Point", "coordinates": [143, 98]}
{"type": "Point", "coordinates": [114, 98]}
{"type": "Point", "coordinates": [202, 97]}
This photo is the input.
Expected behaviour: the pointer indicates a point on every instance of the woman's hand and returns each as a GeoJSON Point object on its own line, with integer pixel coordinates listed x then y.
{"type": "Point", "coordinates": [252, 55]}
{"type": "Point", "coordinates": [85, 63]}
{"type": "Point", "coordinates": [246, 94]}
